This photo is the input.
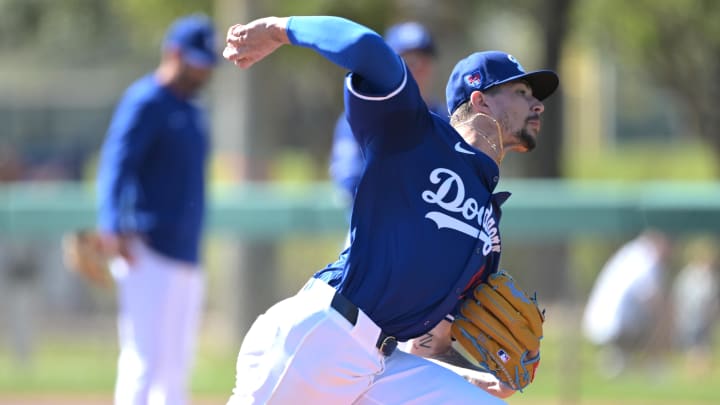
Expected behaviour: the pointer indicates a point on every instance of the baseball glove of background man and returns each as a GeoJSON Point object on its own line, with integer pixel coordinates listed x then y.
{"type": "Point", "coordinates": [499, 330]}
{"type": "Point", "coordinates": [84, 254]}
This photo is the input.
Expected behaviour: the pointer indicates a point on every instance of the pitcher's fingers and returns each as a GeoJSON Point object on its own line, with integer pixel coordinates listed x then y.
{"type": "Point", "coordinates": [231, 31]}
{"type": "Point", "coordinates": [237, 34]}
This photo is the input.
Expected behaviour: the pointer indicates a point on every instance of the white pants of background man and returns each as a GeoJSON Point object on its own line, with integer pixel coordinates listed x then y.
{"type": "Point", "coordinates": [160, 302]}
{"type": "Point", "coordinates": [302, 351]}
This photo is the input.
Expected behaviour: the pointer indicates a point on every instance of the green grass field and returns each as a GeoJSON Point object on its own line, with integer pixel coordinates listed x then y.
{"type": "Point", "coordinates": [567, 375]}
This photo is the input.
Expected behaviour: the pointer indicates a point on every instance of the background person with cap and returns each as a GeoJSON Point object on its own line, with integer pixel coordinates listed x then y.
{"type": "Point", "coordinates": [414, 43]}
{"type": "Point", "coordinates": [424, 228]}
{"type": "Point", "coordinates": [151, 191]}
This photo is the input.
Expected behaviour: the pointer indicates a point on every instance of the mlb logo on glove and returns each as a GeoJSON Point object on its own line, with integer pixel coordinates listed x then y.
{"type": "Point", "coordinates": [503, 356]}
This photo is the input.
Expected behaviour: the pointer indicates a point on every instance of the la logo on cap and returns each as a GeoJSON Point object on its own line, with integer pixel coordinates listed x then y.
{"type": "Point", "coordinates": [515, 61]}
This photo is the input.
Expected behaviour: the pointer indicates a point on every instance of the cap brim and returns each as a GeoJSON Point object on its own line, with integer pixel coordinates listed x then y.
{"type": "Point", "coordinates": [542, 82]}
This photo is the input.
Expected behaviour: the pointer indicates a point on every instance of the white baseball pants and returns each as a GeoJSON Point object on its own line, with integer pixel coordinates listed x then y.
{"type": "Point", "coordinates": [160, 303]}
{"type": "Point", "coordinates": [303, 351]}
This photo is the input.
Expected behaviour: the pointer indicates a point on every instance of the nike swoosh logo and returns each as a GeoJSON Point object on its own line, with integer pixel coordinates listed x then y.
{"type": "Point", "coordinates": [459, 148]}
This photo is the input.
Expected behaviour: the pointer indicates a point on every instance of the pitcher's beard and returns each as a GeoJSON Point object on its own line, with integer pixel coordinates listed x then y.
{"type": "Point", "coordinates": [527, 140]}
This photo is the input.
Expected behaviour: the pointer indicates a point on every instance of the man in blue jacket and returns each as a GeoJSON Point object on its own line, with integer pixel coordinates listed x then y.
{"type": "Point", "coordinates": [151, 190]}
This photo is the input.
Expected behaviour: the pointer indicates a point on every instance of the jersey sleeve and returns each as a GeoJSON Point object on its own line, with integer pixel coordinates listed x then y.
{"type": "Point", "coordinates": [129, 136]}
{"type": "Point", "coordinates": [383, 102]}
{"type": "Point", "coordinates": [387, 123]}
{"type": "Point", "coordinates": [351, 46]}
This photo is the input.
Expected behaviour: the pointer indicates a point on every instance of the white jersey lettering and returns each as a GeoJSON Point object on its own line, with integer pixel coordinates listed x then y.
{"type": "Point", "coordinates": [450, 196]}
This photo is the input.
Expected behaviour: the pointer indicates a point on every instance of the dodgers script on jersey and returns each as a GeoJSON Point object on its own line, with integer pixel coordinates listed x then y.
{"type": "Point", "coordinates": [417, 166]}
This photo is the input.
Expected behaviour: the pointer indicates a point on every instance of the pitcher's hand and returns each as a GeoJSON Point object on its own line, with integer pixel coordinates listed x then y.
{"type": "Point", "coordinates": [249, 43]}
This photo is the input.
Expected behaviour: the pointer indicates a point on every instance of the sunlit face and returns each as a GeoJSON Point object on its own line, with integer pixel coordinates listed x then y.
{"type": "Point", "coordinates": [518, 112]}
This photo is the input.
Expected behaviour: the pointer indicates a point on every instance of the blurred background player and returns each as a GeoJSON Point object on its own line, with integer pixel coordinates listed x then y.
{"type": "Point", "coordinates": [20, 266]}
{"type": "Point", "coordinates": [626, 306]}
{"type": "Point", "coordinates": [696, 305]}
{"type": "Point", "coordinates": [416, 45]}
{"type": "Point", "coordinates": [151, 186]}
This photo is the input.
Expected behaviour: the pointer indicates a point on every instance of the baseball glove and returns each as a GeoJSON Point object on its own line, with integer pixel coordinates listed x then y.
{"type": "Point", "coordinates": [83, 253]}
{"type": "Point", "coordinates": [499, 329]}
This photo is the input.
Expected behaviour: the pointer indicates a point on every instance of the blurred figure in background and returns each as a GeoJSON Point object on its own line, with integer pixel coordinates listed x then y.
{"type": "Point", "coordinates": [19, 268]}
{"type": "Point", "coordinates": [151, 187]}
{"type": "Point", "coordinates": [626, 306]}
{"type": "Point", "coordinates": [414, 43]}
{"type": "Point", "coordinates": [696, 304]}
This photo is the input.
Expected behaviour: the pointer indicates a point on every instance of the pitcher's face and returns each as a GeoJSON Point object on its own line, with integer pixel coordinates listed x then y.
{"type": "Point", "coordinates": [518, 112]}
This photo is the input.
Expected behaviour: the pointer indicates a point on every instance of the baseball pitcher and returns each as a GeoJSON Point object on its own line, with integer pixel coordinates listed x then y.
{"type": "Point", "coordinates": [425, 241]}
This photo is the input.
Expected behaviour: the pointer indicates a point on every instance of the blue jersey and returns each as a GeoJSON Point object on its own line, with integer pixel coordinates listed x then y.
{"type": "Point", "coordinates": [151, 178]}
{"type": "Point", "coordinates": [424, 227]}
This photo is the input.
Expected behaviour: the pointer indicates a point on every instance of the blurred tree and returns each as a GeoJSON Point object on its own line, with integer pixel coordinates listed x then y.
{"type": "Point", "coordinates": [148, 19]}
{"type": "Point", "coordinates": [553, 17]}
{"type": "Point", "coordinates": [69, 32]}
{"type": "Point", "coordinates": [551, 20]}
{"type": "Point", "coordinates": [82, 32]}
{"type": "Point", "coordinates": [19, 22]}
{"type": "Point", "coordinates": [677, 44]}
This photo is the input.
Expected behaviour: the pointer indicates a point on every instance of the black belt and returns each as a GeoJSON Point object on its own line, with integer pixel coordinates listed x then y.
{"type": "Point", "coordinates": [385, 343]}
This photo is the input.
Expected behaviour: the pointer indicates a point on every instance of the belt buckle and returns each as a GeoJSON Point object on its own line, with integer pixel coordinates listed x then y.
{"type": "Point", "coordinates": [388, 345]}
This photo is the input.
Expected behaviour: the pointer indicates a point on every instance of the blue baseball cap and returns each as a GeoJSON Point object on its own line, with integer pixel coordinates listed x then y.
{"type": "Point", "coordinates": [194, 36]}
{"type": "Point", "coordinates": [410, 36]}
{"type": "Point", "coordinates": [483, 70]}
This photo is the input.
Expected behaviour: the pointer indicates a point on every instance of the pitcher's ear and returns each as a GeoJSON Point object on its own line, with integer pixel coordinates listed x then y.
{"type": "Point", "coordinates": [477, 100]}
